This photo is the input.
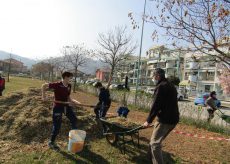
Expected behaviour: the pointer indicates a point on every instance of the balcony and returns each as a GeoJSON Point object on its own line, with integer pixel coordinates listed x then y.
{"type": "Point", "coordinates": [192, 78]}
{"type": "Point", "coordinates": [192, 65]}
{"type": "Point", "coordinates": [171, 65]}
{"type": "Point", "coordinates": [203, 78]}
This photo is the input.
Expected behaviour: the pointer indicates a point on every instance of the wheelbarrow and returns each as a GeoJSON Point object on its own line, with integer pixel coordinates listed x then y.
{"type": "Point", "coordinates": [117, 135]}
{"type": "Point", "coordinates": [223, 116]}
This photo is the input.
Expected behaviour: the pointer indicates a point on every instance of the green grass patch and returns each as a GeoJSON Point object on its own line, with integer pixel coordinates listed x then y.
{"type": "Point", "coordinates": [21, 83]}
{"type": "Point", "coordinates": [97, 151]}
{"type": "Point", "coordinates": [205, 125]}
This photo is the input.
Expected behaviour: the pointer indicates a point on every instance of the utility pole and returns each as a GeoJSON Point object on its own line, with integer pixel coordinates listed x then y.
{"type": "Point", "coordinates": [9, 69]}
{"type": "Point", "coordinates": [139, 59]}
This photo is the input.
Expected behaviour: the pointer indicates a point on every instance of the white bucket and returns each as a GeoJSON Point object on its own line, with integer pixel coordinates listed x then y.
{"type": "Point", "coordinates": [76, 140]}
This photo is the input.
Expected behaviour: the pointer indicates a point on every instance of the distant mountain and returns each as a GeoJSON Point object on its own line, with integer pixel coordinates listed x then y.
{"type": "Point", "coordinates": [27, 62]}
{"type": "Point", "coordinates": [91, 66]}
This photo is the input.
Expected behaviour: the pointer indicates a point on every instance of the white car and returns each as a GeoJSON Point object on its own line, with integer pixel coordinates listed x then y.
{"type": "Point", "coordinates": [149, 90]}
{"type": "Point", "coordinates": [113, 86]}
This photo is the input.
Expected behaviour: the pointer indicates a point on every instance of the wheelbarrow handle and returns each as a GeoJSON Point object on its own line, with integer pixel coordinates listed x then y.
{"type": "Point", "coordinates": [220, 111]}
{"type": "Point", "coordinates": [85, 105]}
{"type": "Point", "coordinates": [139, 128]}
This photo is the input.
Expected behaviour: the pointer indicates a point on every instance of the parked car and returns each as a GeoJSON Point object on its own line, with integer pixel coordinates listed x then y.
{"type": "Point", "coordinates": [113, 86]}
{"type": "Point", "coordinates": [200, 100]}
{"type": "Point", "coordinates": [90, 82]}
{"type": "Point", "coordinates": [120, 86]}
{"type": "Point", "coordinates": [149, 90]}
{"type": "Point", "coordinates": [180, 96]}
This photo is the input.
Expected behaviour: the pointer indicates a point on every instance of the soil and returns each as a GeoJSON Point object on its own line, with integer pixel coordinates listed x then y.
{"type": "Point", "coordinates": [191, 150]}
{"type": "Point", "coordinates": [25, 125]}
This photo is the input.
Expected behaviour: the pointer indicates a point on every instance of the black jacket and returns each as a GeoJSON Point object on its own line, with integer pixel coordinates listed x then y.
{"type": "Point", "coordinates": [104, 97]}
{"type": "Point", "coordinates": [165, 104]}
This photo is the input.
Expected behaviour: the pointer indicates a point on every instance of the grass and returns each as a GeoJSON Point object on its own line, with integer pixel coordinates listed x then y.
{"type": "Point", "coordinates": [205, 125]}
{"type": "Point", "coordinates": [20, 83]}
{"type": "Point", "coordinates": [97, 151]}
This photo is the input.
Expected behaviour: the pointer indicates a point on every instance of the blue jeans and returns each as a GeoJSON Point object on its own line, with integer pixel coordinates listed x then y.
{"type": "Point", "coordinates": [57, 119]}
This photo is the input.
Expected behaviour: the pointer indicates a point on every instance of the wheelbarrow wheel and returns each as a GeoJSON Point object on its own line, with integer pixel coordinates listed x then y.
{"type": "Point", "coordinates": [111, 138]}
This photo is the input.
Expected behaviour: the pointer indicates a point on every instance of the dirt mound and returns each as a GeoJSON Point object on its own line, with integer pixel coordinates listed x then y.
{"type": "Point", "coordinates": [26, 118]}
{"type": "Point", "coordinates": [123, 122]}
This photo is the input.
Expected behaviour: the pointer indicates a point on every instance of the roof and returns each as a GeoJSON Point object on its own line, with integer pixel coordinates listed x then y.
{"type": "Point", "coordinates": [156, 47]}
{"type": "Point", "coordinates": [103, 70]}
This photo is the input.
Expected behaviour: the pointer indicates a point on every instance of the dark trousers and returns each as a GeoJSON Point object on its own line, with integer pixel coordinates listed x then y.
{"type": "Point", "coordinates": [101, 110]}
{"type": "Point", "coordinates": [57, 119]}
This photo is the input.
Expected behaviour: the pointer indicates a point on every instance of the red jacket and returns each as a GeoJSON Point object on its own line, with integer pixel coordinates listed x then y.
{"type": "Point", "coordinates": [2, 83]}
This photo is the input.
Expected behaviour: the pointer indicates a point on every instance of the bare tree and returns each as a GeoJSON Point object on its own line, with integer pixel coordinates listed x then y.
{"type": "Point", "coordinates": [77, 56]}
{"type": "Point", "coordinates": [51, 65]}
{"type": "Point", "coordinates": [61, 64]}
{"type": "Point", "coordinates": [199, 25]}
{"type": "Point", "coordinates": [115, 46]}
{"type": "Point", "coordinates": [41, 68]}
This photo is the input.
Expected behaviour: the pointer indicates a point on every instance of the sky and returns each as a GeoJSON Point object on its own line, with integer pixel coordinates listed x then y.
{"type": "Point", "coordinates": [38, 29]}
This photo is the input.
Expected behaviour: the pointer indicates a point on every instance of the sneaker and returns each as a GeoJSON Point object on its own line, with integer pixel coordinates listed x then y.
{"type": "Point", "coordinates": [53, 145]}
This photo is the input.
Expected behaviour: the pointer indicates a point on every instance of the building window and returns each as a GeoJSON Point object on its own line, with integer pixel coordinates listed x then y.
{"type": "Point", "coordinates": [207, 88]}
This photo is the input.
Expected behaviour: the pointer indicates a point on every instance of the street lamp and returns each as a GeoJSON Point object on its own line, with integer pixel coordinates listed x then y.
{"type": "Point", "coordinates": [139, 59]}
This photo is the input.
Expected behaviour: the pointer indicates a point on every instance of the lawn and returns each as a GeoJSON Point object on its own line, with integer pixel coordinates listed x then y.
{"type": "Point", "coordinates": [21, 83]}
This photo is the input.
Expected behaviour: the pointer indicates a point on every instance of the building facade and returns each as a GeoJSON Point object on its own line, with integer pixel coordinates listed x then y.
{"type": "Point", "coordinates": [14, 65]}
{"type": "Point", "coordinates": [129, 68]}
{"type": "Point", "coordinates": [203, 73]}
{"type": "Point", "coordinates": [171, 61]}
{"type": "Point", "coordinates": [103, 74]}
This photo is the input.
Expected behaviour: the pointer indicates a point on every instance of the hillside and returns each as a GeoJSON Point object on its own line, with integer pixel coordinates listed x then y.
{"type": "Point", "coordinates": [27, 62]}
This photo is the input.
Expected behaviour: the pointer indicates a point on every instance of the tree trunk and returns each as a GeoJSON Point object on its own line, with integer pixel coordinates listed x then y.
{"type": "Point", "coordinates": [75, 80]}
{"type": "Point", "coordinates": [110, 78]}
{"type": "Point", "coordinates": [8, 74]}
{"type": "Point", "coordinates": [52, 75]}
{"type": "Point", "coordinates": [49, 76]}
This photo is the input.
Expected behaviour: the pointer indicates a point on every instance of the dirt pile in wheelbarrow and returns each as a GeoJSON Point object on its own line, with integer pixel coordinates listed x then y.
{"type": "Point", "coordinates": [26, 118]}
{"type": "Point", "coordinates": [122, 121]}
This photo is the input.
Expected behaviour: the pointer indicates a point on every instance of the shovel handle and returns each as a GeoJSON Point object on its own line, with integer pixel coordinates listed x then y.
{"type": "Point", "coordinates": [64, 102]}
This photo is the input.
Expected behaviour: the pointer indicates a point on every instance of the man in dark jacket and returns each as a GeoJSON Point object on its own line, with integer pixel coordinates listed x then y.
{"type": "Point", "coordinates": [104, 101]}
{"type": "Point", "coordinates": [165, 108]}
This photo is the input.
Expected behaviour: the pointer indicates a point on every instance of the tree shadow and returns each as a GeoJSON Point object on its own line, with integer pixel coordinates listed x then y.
{"type": "Point", "coordinates": [92, 157]}
{"type": "Point", "coordinates": [71, 157]}
{"type": "Point", "coordinates": [87, 154]}
{"type": "Point", "coordinates": [144, 156]}
{"type": "Point", "coordinates": [141, 154]}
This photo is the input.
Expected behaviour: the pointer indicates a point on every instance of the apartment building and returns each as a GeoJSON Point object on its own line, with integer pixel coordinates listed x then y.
{"type": "Point", "coordinates": [129, 68]}
{"type": "Point", "coordinates": [169, 60]}
{"type": "Point", "coordinates": [201, 72]}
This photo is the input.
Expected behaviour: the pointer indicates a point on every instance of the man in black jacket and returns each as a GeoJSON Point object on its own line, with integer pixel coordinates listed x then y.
{"type": "Point", "coordinates": [104, 101]}
{"type": "Point", "coordinates": [165, 108]}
